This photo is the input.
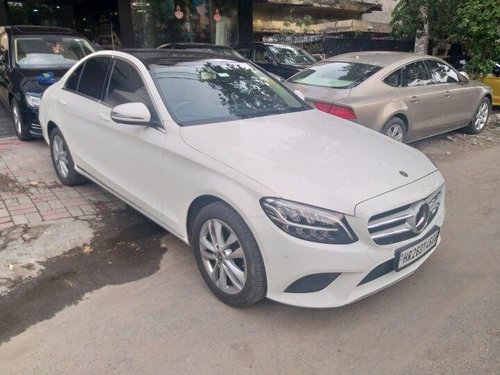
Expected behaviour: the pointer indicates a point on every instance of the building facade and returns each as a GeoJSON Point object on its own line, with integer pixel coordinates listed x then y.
{"type": "Point", "coordinates": [150, 23]}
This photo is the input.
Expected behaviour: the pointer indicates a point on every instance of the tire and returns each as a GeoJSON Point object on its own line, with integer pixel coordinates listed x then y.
{"type": "Point", "coordinates": [63, 161]}
{"type": "Point", "coordinates": [22, 131]}
{"type": "Point", "coordinates": [480, 119]}
{"type": "Point", "coordinates": [217, 263]}
{"type": "Point", "coordinates": [395, 128]}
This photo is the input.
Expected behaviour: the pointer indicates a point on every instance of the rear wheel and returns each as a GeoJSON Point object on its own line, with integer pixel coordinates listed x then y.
{"type": "Point", "coordinates": [480, 119]}
{"type": "Point", "coordinates": [228, 256]}
{"type": "Point", "coordinates": [395, 129]}
{"type": "Point", "coordinates": [63, 161]}
{"type": "Point", "coordinates": [22, 130]}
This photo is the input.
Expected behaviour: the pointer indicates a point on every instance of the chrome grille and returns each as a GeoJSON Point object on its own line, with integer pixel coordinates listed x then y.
{"type": "Point", "coordinates": [404, 222]}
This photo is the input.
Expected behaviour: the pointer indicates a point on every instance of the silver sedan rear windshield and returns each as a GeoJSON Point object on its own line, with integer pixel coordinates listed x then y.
{"type": "Point", "coordinates": [337, 75]}
{"type": "Point", "coordinates": [208, 91]}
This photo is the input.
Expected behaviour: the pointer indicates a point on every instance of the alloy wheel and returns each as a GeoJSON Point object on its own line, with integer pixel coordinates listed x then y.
{"type": "Point", "coordinates": [395, 132]}
{"type": "Point", "coordinates": [60, 156]}
{"type": "Point", "coordinates": [223, 256]}
{"type": "Point", "coordinates": [481, 116]}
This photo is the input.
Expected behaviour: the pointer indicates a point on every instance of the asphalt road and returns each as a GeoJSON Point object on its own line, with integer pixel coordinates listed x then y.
{"type": "Point", "coordinates": [79, 317]}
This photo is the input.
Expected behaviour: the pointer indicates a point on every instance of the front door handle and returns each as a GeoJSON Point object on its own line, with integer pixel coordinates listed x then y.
{"type": "Point", "coordinates": [447, 94]}
{"type": "Point", "coordinates": [62, 102]}
{"type": "Point", "coordinates": [414, 99]}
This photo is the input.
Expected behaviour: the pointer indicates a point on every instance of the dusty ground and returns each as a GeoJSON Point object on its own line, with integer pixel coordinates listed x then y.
{"type": "Point", "coordinates": [120, 295]}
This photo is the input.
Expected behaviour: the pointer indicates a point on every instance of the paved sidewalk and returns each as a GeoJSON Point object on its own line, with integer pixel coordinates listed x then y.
{"type": "Point", "coordinates": [6, 123]}
{"type": "Point", "coordinates": [30, 192]}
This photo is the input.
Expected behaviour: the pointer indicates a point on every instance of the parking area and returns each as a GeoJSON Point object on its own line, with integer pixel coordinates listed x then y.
{"type": "Point", "coordinates": [88, 286]}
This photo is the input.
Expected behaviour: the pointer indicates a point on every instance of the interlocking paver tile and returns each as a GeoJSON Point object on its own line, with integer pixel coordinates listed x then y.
{"type": "Point", "coordinates": [31, 193]}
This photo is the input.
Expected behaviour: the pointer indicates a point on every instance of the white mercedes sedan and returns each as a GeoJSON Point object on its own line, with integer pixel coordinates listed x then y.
{"type": "Point", "coordinates": [277, 199]}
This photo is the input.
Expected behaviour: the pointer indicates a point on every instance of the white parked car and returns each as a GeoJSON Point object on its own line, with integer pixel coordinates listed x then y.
{"type": "Point", "coordinates": [276, 198]}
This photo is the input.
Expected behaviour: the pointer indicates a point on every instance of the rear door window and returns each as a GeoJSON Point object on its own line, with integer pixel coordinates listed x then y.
{"type": "Point", "coordinates": [93, 77]}
{"type": "Point", "coordinates": [74, 78]}
{"type": "Point", "coordinates": [416, 74]}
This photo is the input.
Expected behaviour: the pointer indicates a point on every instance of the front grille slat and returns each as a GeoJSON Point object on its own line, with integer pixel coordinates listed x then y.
{"type": "Point", "coordinates": [393, 226]}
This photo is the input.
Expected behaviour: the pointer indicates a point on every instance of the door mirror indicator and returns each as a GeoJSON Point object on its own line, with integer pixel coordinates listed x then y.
{"type": "Point", "coordinates": [131, 114]}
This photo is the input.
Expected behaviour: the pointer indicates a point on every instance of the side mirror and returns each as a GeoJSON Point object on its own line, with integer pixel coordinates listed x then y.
{"type": "Point", "coordinates": [300, 94]}
{"type": "Point", "coordinates": [131, 114]}
{"type": "Point", "coordinates": [463, 77]}
{"type": "Point", "coordinates": [319, 56]}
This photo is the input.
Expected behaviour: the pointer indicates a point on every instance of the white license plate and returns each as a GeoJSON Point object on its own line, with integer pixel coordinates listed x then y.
{"type": "Point", "coordinates": [405, 257]}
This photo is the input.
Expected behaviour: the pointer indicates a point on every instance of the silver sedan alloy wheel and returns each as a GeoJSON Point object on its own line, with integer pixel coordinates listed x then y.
{"type": "Point", "coordinates": [481, 116]}
{"type": "Point", "coordinates": [223, 256]}
{"type": "Point", "coordinates": [60, 156]}
{"type": "Point", "coordinates": [17, 119]}
{"type": "Point", "coordinates": [395, 132]}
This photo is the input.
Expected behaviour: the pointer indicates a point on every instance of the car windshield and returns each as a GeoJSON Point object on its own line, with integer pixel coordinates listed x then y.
{"type": "Point", "coordinates": [208, 91]}
{"type": "Point", "coordinates": [49, 51]}
{"type": "Point", "coordinates": [291, 55]}
{"type": "Point", "coordinates": [337, 75]}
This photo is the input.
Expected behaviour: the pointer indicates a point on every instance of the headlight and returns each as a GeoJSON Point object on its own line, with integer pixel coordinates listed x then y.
{"type": "Point", "coordinates": [308, 223]}
{"type": "Point", "coordinates": [33, 99]}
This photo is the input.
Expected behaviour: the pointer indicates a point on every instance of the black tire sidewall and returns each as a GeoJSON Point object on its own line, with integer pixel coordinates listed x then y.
{"type": "Point", "coordinates": [25, 134]}
{"type": "Point", "coordinates": [255, 286]}
{"type": "Point", "coordinates": [393, 121]}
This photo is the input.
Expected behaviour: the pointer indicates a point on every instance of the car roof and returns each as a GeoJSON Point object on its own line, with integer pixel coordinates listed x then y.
{"type": "Point", "coordinates": [174, 56]}
{"type": "Point", "coordinates": [188, 45]}
{"type": "Point", "coordinates": [28, 29]}
{"type": "Point", "coordinates": [379, 58]}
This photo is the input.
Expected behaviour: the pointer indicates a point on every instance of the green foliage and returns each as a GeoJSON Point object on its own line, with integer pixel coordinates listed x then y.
{"type": "Point", "coordinates": [410, 16]}
{"type": "Point", "coordinates": [474, 22]}
{"type": "Point", "coordinates": [479, 25]}
{"type": "Point", "coordinates": [290, 21]}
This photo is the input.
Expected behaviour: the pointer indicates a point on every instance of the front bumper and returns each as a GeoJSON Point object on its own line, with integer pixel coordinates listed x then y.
{"type": "Point", "coordinates": [288, 259]}
{"type": "Point", "coordinates": [30, 119]}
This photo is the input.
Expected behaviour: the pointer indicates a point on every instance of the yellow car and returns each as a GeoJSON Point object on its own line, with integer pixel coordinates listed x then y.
{"type": "Point", "coordinates": [493, 80]}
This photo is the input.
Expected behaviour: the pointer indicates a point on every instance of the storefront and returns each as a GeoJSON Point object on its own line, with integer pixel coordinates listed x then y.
{"type": "Point", "coordinates": [139, 23]}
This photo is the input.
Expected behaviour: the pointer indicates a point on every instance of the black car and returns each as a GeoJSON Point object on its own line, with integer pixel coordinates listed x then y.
{"type": "Point", "coordinates": [31, 59]}
{"type": "Point", "coordinates": [224, 50]}
{"type": "Point", "coordinates": [280, 59]}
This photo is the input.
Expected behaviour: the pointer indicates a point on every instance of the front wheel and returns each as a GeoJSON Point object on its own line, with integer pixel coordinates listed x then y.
{"type": "Point", "coordinates": [22, 130]}
{"type": "Point", "coordinates": [63, 161]}
{"type": "Point", "coordinates": [480, 119]}
{"type": "Point", "coordinates": [228, 256]}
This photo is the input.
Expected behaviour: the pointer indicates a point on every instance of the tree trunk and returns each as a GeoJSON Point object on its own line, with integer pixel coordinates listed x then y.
{"type": "Point", "coordinates": [422, 40]}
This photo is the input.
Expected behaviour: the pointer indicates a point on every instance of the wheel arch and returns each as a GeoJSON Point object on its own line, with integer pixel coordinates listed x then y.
{"type": "Point", "coordinates": [50, 127]}
{"type": "Point", "coordinates": [195, 207]}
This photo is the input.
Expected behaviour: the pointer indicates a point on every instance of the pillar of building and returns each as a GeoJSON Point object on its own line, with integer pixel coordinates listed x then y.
{"type": "Point", "coordinates": [3, 12]}
{"type": "Point", "coordinates": [126, 27]}
{"type": "Point", "coordinates": [245, 21]}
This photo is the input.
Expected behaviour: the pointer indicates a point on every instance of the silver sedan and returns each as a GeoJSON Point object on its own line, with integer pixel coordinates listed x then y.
{"type": "Point", "coordinates": [402, 95]}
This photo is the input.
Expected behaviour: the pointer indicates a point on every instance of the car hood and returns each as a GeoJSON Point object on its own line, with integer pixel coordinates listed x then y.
{"type": "Point", "coordinates": [28, 81]}
{"type": "Point", "coordinates": [311, 157]}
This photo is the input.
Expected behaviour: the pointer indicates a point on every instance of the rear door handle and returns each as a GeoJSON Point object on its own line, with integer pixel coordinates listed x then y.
{"type": "Point", "coordinates": [104, 116]}
{"type": "Point", "coordinates": [414, 99]}
{"type": "Point", "coordinates": [62, 102]}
